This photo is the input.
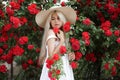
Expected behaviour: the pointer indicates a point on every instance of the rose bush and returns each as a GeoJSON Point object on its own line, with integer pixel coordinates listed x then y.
{"type": "Point", "coordinates": [95, 38]}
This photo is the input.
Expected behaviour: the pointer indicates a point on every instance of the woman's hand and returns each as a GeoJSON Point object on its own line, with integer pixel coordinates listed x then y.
{"type": "Point", "coordinates": [71, 56]}
{"type": "Point", "coordinates": [61, 36]}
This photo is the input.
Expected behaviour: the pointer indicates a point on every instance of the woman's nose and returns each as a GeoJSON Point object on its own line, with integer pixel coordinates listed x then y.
{"type": "Point", "coordinates": [56, 20]}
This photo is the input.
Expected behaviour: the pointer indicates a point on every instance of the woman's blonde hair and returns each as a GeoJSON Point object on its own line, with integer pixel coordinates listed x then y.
{"type": "Point", "coordinates": [47, 27]}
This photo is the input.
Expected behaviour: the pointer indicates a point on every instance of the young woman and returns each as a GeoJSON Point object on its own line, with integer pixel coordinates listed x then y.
{"type": "Point", "coordinates": [51, 43]}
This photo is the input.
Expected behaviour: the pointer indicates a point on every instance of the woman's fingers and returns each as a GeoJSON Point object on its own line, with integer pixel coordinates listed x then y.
{"type": "Point", "coordinates": [71, 56]}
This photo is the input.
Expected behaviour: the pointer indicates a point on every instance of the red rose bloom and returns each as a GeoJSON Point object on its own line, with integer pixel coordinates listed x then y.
{"type": "Point", "coordinates": [56, 57]}
{"type": "Point", "coordinates": [18, 51]}
{"type": "Point", "coordinates": [55, 30]}
{"type": "Point", "coordinates": [118, 40]}
{"type": "Point", "coordinates": [23, 20]}
{"type": "Point", "coordinates": [57, 72]}
{"type": "Point", "coordinates": [78, 55]}
{"type": "Point", "coordinates": [87, 42]}
{"type": "Point", "coordinates": [30, 61]}
{"type": "Point", "coordinates": [63, 3]}
{"type": "Point", "coordinates": [30, 46]}
{"type": "Point", "coordinates": [9, 11]}
{"type": "Point", "coordinates": [24, 66]}
{"type": "Point", "coordinates": [108, 33]}
{"type": "Point", "coordinates": [117, 33]}
{"type": "Point", "coordinates": [106, 25]}
{"type": "Point", "coordinates": [23, 40]}
{"type": "Point", "coordinates": [106, 66]}
{"type": "Point", "coordinates": [1, 51]}
{"type": "Point", "coordinates": [114, 72]}
{"type": "Point", "coordinates": [62, 49]}
{"type": "Point", "coordinates": [3, 68]}
{"type": "Point", "coordinates": [15, 5]}
{"type": "Point", "coordinates": [87, 21]}
{"type": "Point", "coordinates": [7, 27]}
{"type": "Point", "coordinates": [1, 13]}
{"type": "Point", "coordinates": [85, 35]}
{"type": "Point", "coordinates": [72, 40]}
{"type": "Point", "coordinates": [5, 46]}
{"type": "Point", "coordinates": [76, 45]}
{"type": "Point", "coordinates": [74, 65]}
{"type": "Point", "coordinates": [66, 27]}
{"type": "Point", "coordinates": [37, 50]}
{"type": "Point", "coordinates": [20, 1]}
{"type": "Point", "coordinates": [54, 1]}
{"type": "Point", "coordinates": [90, 57]}
{"type": "Point", "coordinates": [32, 9]}
{"type": "Point", "coordinates": [15, 21]}
{"type": "Point", "coordinates": [49, 62]}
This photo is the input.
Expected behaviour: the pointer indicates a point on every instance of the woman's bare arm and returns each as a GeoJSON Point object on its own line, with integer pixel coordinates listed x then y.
{"type": "Point", "coordinates": [51, 47]}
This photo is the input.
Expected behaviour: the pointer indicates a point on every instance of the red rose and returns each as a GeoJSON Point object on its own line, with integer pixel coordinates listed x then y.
{"type": "Point", "coordinates": [23, 20]}
{"type": "Point", "coordinates": [18, 51]}
{"type": "Point", "coordinates": [15, 5]}
{"type": "Point", "coordinates": [93, 59]}
{"type": "Point", "coordinates": [56, 57]}
{"type": "Point", "coordinates": [74, 65]}
{"type": "Point", "coordinates": [106, 66]}
{"type": "Point", "coordinates": [5, 46]}
{"type": "Point", "coordinates": [87, 42]}
{"type": "Point", "coordinates": [63, 3]}
{"type": "Point", "coordinates": [54, 1]}
{"type": "Point", "coordinates": [87, 21]}
{"type": "Point", "coordinates": [57, 72]}
{"type": "Point", "coordinates": [85, 35]}
{"type": "Point", "coordinates": [118, 40]}
{"type": "Point", "coordinates": [24, 66]}
{"type": "Point", "coordinates": [23, 40]}
{"type": "Point", "coordinates": [78, 55]}
{"type": "Point", "coordinates": [1, 51]}
{"type": "Point", "coordinates": [9, 11]}
{"type": "Point", "coordinates": [3, 68]}
{"type": "Point", "coordinates": [32, 9]}
{"type": "Point", "coordinates": [49, 63]}
{"type": "Point", "coordinates": [62, 49]}
{"type": "Point", "coordinates": [30, 61]}
{"type": "Point", "coordinates": [50, 74]}
{"type": "Point", "coordinates": [113, 71]}
{"type": "Point", "coordinates": [117, 32]}
{"type": "Point", "coordinates": [1, 13]}
{"type": "Point", "coordinates": [20, 1]}
{"type": "Point", "coordinates": [37, 50]}
{"type": "Point", "coordinates": [76, 45]}
{"type": "Point", "coordinates": [106, 25]}
{"type": "Point", "coordinates": [55, 30]}
{"type": "Point", "coordinates": [30, 46]}
{"type": "Point", "coordinates": [4, 38]}
{"type": "Point", "coordinates": [7, 27]}
{"type": "Point", "coordinates": [72, 40]}
{"type": "Point", "coordinates": [90, 57]}
{"type": "Point", "coordinates": [15, 21]}
{"type": "Point", "coordinates": [66, 27]}
{"type": "Point", "coordinates": [108, 33]}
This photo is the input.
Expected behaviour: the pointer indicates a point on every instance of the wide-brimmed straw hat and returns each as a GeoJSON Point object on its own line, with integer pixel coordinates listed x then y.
{"type": "Point", "coordinates": [68, 12]}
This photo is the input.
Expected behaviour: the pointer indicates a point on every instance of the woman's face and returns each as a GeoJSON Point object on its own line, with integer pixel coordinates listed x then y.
{"type": "Point", "coordinates": [55, 21]}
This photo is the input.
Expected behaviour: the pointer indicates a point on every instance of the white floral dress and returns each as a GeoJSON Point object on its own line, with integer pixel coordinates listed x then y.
{"type": "Point", "coordinates": [66, 66]}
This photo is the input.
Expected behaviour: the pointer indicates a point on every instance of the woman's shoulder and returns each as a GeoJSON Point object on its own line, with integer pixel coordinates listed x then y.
{"type": "Point", "coordinates": [51, 32]}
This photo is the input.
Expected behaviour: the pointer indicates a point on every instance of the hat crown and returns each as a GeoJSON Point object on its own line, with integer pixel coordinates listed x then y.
{"type": "Point", "coordinates": [68, 12]}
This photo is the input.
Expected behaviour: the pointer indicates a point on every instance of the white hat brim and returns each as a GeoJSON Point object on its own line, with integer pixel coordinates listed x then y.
{"type": "Point", "coordinates": [68, 12]}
